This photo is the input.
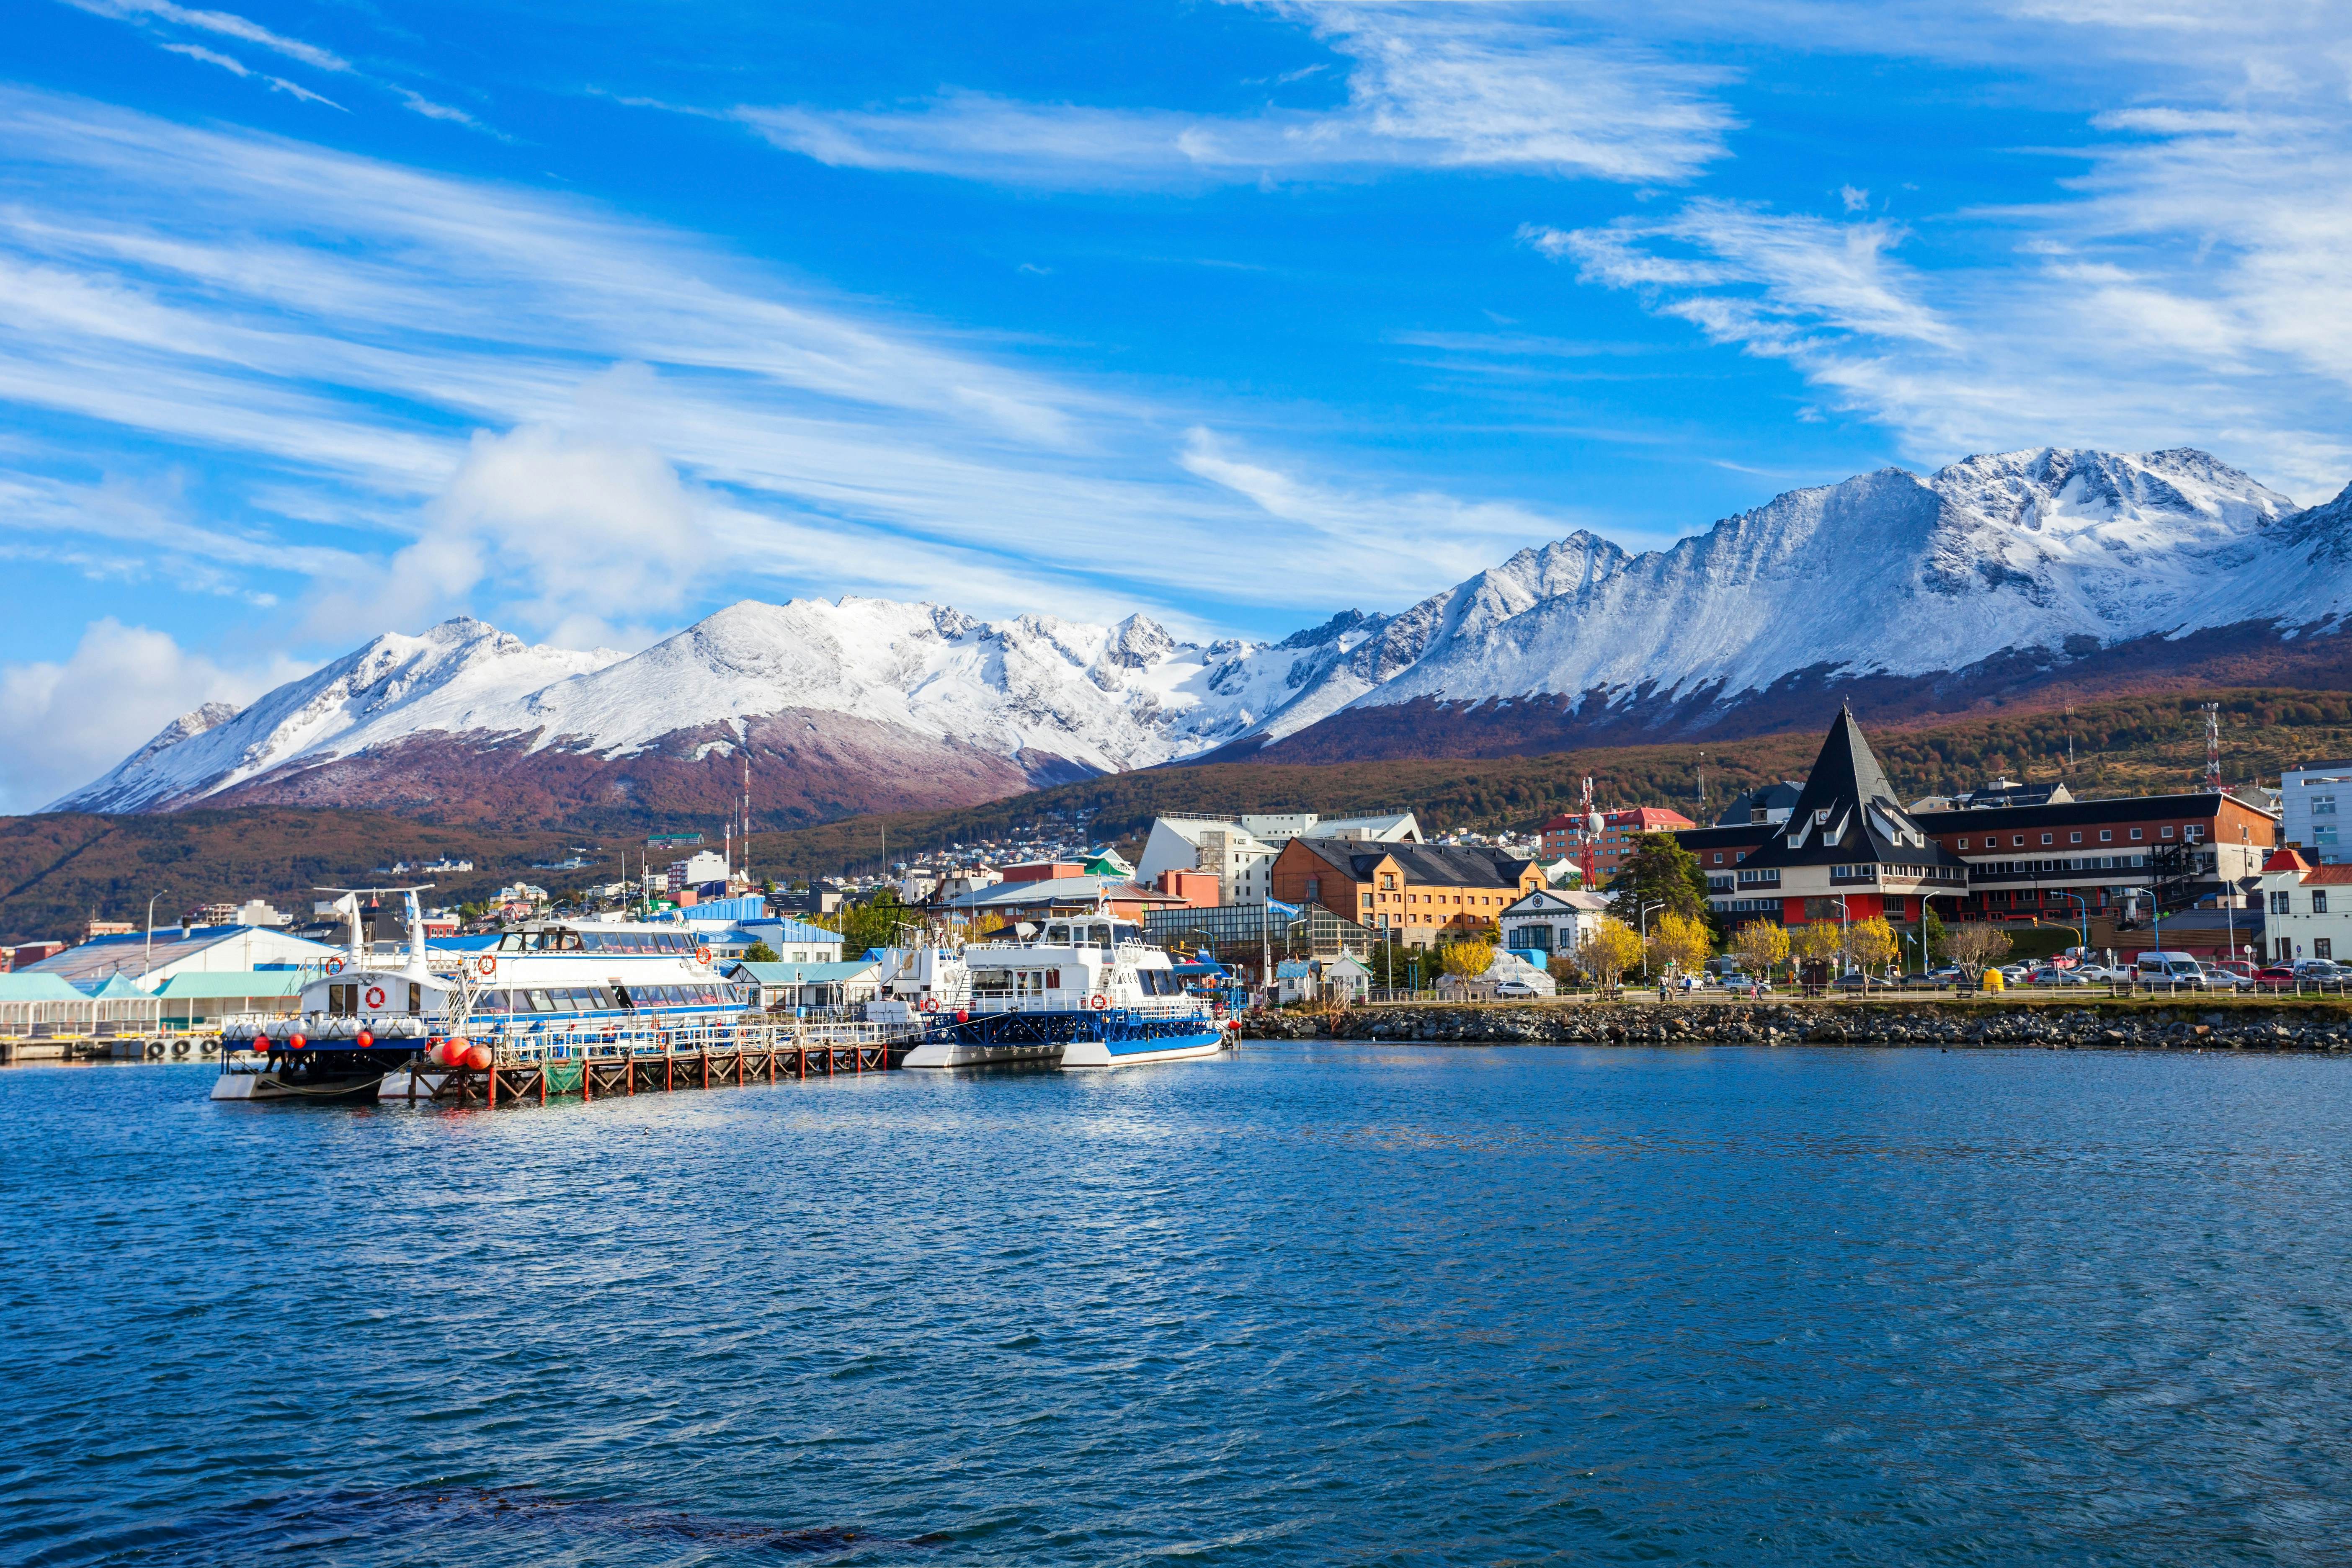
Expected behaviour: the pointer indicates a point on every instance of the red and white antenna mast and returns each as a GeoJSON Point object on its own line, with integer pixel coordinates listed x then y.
{"type": "Point", "coordinates": [2213, 748]}
{"type": "Point", "coordinates": [1592, 836]}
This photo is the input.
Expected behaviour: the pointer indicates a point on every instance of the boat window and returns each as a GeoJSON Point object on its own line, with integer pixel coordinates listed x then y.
{"type": "Point", "coordinates": [591, 942]}
{"type": "Point", "coordinates": [490, 1001]}
{"type": "Point", "coordinates": [1052, 980]}
{"type": "Point", "coordinates": [603, 998]}
{"type": "Point", "coordinates": [415, 999]}
{"type": "Point", "coordinates": [512, 941]}
{"type": "Point", "coordinates": [621, 995]}
{"type": "Point", "coordinates": [992, 983]}
{"type": "Point", "coordinates": [1058, 934]}
{"type": "Point", "coordinates": [539, 1002]}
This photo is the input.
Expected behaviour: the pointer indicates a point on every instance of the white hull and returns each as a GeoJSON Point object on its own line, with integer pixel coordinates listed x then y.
{"type": "Point", "coordinates": [1094, 1054]}
{"type": "Point", "coordinates": [949, 1053]}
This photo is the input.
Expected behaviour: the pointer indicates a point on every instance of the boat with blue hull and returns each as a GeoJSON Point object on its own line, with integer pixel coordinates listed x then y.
{"type": "Point", "coordinates": [1086, 991]}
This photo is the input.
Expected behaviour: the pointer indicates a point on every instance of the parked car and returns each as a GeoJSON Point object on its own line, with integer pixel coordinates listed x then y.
{"type": "Point", "coordinates": [1924, 980]}
{"type": "Point", "coordinates": [2277, 977]}
{"type": "Point", "coordinates": [2056, 976]}
{"type": "Point", "coordinates": [1949, 975]}
{"type": "Point", "coordinates": [1516, 989]}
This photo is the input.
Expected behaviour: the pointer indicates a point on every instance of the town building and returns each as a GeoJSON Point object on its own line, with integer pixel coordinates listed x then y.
{"type": "Point", "coordinates": [1015, 899]}
{"type": "Point", "coordinates": [2060, 859]}
{"type": "Point", "coordinates": [2306, 909]}
{"type": "Point", "coordinates": [1847, 851]}
{"type": "Point", "coordinates": [1411, 892]}
{"type": "Point", "coordinates": [1996, 793]}
{"type": "Point", "coordinates": [1550, 922]}
{"type": "Point", "coordinates": [1240, 851]}
{"type": "Point", "coordinates": [1766, 805]}
{"type": "Point", "coordinates": [697, 870]}
{"type": "Point", "coordinates": [1564, 834]}
{"type": "Point", "coordinates": [2314, 802]}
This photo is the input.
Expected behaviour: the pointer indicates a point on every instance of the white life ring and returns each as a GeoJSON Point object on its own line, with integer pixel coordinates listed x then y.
{"type": "Point", "coordinates": [334, 966]}
{"type": "Point", "coordinates": [930, 1003]}
{"type": "Point", "coordinates": [1101, 1002]}
{"type": "Point", "coordinates": [486, 965]}
{"type": "Point", "coordinates": [702, 955]}
{"type": "Point", "coordinates": [375, 998]}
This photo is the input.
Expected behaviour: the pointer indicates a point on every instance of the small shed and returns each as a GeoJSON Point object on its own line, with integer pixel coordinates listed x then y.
{"type": "Point", "coordinates": [810, 985]}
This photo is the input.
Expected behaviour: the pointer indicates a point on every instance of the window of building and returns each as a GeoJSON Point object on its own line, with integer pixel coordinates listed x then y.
{"type": "Point", "coordinates": [2017, 841]}
{"type": "Point", "coordinates": [2322, 805]}
{"type": "Point", "coordinates": [2194, 832]}
{"type": "Point", "coordinates": [2319, 907]}
{"type": "Point", "coordinates": [2136, 835]}
{"type": "Point", "coordinates": [2049, 838]}
{"type": "Point", "coordinates": [2106, 836]}
{"type": "Point", "coordinates": [2323, 947]}
{"type": "Point", "coordinates": [2279, 903]}
{"type": "Point", "coordinates": [2073, 839]}
{"type": "Point", "coordinates": [2166, 831]}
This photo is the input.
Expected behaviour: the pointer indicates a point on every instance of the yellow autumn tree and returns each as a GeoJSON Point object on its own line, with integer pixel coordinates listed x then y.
{"type": "Point", "coordinates": [1469, 960]}
{"type": "Point", "coordinates": [1606, 950]}
{"type": "Point", "coordinates": [1816, 943]}
{"type": "Point", "coordinates": [1679, 943]}
{"type": "Point", "coordinates": [1875, 946]}
{"type": "Point", "coordinates": [1762, 947]}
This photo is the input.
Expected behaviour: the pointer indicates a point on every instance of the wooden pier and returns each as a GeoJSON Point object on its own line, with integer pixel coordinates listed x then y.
{"type": "Point", "coordinates": [604, 1068]}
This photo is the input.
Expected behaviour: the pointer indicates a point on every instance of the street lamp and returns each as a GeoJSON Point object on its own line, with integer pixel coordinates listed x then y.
{"type": "Point", "coordinates": [1645, 934]}
{"type": "Point", "coordinates": [147, 964]}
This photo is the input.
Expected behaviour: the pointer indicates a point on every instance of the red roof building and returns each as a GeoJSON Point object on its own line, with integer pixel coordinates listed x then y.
{"type": "Point", "coordinates": [1564, 834]}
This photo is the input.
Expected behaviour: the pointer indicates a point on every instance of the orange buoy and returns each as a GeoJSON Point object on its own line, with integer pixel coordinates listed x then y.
{"type": "Point", "coordinates": [296, 1042]}
{"type": "Point", "coordinates": [362, 1039]}
{"type": "Point", "coordinates": [478, 1059]}
{"type": "Point", "coordinates": [963, 1016]}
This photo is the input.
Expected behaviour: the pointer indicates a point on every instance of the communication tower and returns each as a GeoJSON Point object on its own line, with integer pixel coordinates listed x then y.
{"type": "Point", "coordinates": [2212, 748]}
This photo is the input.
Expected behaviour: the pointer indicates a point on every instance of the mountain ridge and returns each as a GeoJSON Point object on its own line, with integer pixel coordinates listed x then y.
{"type": "Point", "coordinates": [1992, 578]}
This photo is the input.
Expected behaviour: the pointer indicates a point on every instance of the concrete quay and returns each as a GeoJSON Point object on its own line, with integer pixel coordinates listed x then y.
{"type": "Point", "coordinates": [2056, 1026]}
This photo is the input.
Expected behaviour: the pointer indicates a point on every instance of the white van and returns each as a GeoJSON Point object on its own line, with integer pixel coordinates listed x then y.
{"type": "Point", "coordinates": [2155, 968]}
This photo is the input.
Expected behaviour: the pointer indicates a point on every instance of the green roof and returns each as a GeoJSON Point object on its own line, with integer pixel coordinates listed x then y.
{"type": "Point", "coordinates": [37, 988]}
{"type": "Point", "coordinates": [232, 982]}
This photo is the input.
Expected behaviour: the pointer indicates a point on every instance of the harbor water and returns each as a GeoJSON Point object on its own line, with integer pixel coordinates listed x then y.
{"type": "Point", "coordinates": [1301, 1304]}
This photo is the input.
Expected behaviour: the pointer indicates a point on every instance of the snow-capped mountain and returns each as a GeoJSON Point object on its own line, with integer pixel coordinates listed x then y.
{"type": "Point", "coordinates": [1886, 582]}
{"type": "Point", "coordinates": [1998, 573]}
{"type": "Point", "coordinates": [867, 691]}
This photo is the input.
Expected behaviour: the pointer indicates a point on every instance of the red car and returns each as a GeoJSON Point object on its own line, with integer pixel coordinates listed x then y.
{"type": "Point", "coordinates": [2277, 977]}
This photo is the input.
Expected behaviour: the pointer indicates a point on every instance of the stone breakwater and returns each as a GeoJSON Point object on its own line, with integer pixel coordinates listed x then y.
{"type": "Point", "coordinates": [2089, 1026]}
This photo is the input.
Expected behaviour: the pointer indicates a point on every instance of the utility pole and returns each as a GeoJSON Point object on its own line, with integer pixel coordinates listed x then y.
{"type": "Point", "coordinates": [2212, 748]}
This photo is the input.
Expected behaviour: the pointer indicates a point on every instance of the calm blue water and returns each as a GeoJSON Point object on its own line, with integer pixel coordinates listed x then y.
{"type": "Point", "coordinates": [1307, 1304]}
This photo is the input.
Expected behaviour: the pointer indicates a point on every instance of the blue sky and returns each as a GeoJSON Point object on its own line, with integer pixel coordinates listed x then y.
{"type": "Point", "coordinates": [329, 317]}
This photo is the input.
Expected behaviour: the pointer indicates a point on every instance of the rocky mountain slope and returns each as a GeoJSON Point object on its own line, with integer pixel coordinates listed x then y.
{"type": "Point", "coordinates": [1999, 575]}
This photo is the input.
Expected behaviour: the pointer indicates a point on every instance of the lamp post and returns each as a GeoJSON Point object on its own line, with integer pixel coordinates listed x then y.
{"type": "Point", "coordinates": [1645, 934]}
{"type": "Point", "coordinates": [147, 963]}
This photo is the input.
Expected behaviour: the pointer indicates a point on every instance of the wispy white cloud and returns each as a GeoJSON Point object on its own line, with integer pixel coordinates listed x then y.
{"type": "Point", "coordinates": [1428, 87]}
{"type": "Point", "coordinates": [330, 332]}
{"type": "Point", "coordinates": [224, 24]}
{"type": "Point", "coordinates": [2188, 289]}
{"type": "Point", "coordinates": [1361, 530]}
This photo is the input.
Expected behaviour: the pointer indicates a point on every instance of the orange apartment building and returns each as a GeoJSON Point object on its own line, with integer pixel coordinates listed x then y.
{"type": "Point", "coordinates": [1408, 893]}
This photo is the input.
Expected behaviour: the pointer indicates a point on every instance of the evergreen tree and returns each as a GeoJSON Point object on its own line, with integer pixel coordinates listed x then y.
{"type": "Point", "coordinates": [1659, 871]}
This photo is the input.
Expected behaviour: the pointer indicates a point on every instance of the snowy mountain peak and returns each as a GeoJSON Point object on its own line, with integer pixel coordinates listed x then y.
{"type": "Point", "coordinates": [2042, 553]}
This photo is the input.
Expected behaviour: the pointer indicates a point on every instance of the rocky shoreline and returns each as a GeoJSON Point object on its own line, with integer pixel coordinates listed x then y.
{"type": "Point", "coordinates": [2121, 1025]}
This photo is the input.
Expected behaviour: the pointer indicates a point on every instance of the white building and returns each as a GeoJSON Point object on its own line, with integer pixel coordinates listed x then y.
{"type": "Point", "coordinates": [176, 950]}
{"type": "Point", "coordinates": [697, 870]}
{"type": "Point", "coordinates": [2306, 909]}
{"type": "Point", "coordinates": [1551, 920]}
{"type": "Point", "coordinates": [2314, 801]}
{"type": "Point", "coordinates": [1239, 851]}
